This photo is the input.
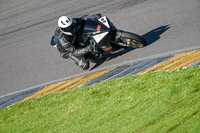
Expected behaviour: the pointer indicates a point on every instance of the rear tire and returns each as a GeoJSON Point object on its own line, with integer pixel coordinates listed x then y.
{"type": "Point", "coordinates": [133, 40]}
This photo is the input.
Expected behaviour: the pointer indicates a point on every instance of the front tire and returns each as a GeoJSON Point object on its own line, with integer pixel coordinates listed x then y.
{"type": "Point", "coordinates": [132, 40]}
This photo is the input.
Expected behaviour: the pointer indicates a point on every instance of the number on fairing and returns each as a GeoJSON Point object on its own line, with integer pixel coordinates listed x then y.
{"type": "Point", "coordinates": [104, 21]}
{"type": "Point", "coordinates": [99, 37]}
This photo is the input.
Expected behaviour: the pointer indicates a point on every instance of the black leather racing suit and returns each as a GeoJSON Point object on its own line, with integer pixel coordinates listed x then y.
{"type": "Point", "coordinates": [66, 44]}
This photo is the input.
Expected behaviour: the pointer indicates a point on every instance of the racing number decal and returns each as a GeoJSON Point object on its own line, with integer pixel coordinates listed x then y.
{"type": "Point", "coordinates": [104, 21]}
{"type": "Point", "coordinates": [98, 37]}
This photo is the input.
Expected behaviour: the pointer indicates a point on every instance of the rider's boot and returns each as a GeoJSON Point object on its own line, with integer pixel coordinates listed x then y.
{"type": "Point", "coordinates": [80, 61]}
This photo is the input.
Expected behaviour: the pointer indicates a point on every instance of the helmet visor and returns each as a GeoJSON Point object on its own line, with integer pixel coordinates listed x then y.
{"type": "Point", "coordinates": [67, 29]}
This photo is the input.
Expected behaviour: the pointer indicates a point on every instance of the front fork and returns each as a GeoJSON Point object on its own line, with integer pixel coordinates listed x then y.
{"type": "Point", "coordinates": [116, 37]}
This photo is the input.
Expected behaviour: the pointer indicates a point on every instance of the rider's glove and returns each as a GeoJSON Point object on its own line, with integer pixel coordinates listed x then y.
{"type": "Point", "coordinates": [92, 46]}
{"type": "Point", "coordinates": [96, 16]}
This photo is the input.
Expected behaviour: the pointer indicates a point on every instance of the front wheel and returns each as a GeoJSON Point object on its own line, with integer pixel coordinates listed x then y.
{"type": "Point", "coordinates": [132, 40]}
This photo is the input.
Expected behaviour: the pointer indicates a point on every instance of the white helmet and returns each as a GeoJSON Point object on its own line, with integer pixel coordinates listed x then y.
{"type": "Point", "coordinates": [64, 23]}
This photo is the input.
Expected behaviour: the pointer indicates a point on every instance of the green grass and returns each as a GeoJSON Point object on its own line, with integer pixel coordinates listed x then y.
{"type": "Point", "coordinates": [153, 102]}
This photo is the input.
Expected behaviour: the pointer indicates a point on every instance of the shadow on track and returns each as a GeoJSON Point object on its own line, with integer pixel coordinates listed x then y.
{"type": "Point", "coordinates": [154, 34]}
{"type": "Point", "coordinates": [151, 37]}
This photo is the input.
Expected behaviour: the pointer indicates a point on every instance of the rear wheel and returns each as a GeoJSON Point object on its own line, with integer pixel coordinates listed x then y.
{"type": "Point", "coordinates": [133, 40]}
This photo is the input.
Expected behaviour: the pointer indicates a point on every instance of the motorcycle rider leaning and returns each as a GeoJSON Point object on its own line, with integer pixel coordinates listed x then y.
{"type": "Point", "coordinates": [67, 36]}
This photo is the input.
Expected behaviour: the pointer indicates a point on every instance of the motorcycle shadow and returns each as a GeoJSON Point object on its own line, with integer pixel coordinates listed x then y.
{"type": "Point", "coordinates": [151, 37]}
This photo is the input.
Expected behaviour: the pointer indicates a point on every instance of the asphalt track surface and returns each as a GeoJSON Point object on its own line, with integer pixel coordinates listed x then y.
{"type": "Point", "coordinates": [27, 60]}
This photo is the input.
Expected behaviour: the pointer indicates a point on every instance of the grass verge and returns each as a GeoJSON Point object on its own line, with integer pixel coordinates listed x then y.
{"type": "Point", "coordinates": [153, 102]}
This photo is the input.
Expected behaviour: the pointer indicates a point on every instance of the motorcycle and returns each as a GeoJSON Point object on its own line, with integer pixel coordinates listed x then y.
{"type": "Point", "coordinates": [108, 39]}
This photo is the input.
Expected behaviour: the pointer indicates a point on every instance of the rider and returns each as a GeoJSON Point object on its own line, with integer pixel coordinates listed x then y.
{"type": "Point", "coordinates": [67, 36]}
